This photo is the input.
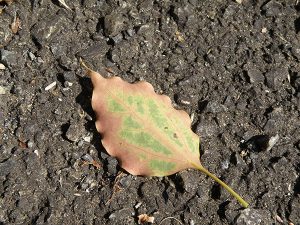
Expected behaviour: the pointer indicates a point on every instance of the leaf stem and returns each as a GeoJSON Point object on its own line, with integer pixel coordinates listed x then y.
{"type": "Point", "coordinates": [237, 196]}
{"type": "Point", "coordinates": [82, 63]}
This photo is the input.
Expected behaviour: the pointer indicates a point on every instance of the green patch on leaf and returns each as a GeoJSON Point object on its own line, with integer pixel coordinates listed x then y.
{"type": "Point", "coordinates": [114, 106]}
{"type": "Point", "coordinates": [144, 140]}
{"type": "Point", "coordinates": [160, 166]}
{"type": "Point", "coordinates": [130, 123]}
{"type": "Point", "coordinates": [156, 115]}
{"type": "Point", "coordinates": [192, 144]}
{"type": "Point", "coordinates": [142, 156]}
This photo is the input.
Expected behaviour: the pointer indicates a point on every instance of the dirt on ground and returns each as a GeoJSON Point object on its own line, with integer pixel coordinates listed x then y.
{"type": "Point", "coordinates": [232, 65]}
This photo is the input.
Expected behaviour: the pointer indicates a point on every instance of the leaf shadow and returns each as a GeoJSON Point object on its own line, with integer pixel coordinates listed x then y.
{"type": "Point", "coordinates": [84, 100]}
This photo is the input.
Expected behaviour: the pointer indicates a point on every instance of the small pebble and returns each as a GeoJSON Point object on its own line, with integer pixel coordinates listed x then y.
{"type": "Point", "coordinates": [75, 132]}
{"type": "Point", "coordinates": [207, 129]}
{"type": "Point", "coordinates": [191, 222]}
{"type": "Point", "coordinates": [80, 143]}
{"type": "Point", "coordinates": [185, 102]}
{"type": "Point", "coordinates": [30, 144]}
{"type": "Point", "coordinates": [88, 117]}
{"type": "Point", "coordinates": [112, 216]}
{"type": "Point", "coordinates": [87, 139]}
{"type": "Point", "coordinates": [272, 141]}
{"type": "Point", "coordinates": [225, 164]}
{"type": "Point", "coordinates": [118, 38]}
{"type": "Point", "coordinates": [69, 84]}
{"type": "Point", "coordinates": [276, 77]}
{"type": "Point", "coordinates": [278, 218]}
{"type": "Point", "coordinates": [58, 111]}
{"type": "Point", "coordinates": [69, 76]}
{"type": "Point", "coordinates": [31, 56]}
{"type": "Point", "coordinates": [2, 67]}
{"type": "Point", "coordinates": [8, 58]}
{"type": "Point", "coordinates": [186, 182]}
{"type": "Point", "coordinates": [272, 8]}
{"type": "Point", "coordinates": [50, 86]}
{"type": "Point", "coordinates": [125, 181]}
{"type": "Point", "coordinates": [113, 24]}
{"type": "Point", "coordinates": [252, 217]}
{"type": "Point", "coordinates": [40, 60]}
{"type": "Point", "coordinates": [87, 157]}
{"type": "Point", "coordinates": [63, 3]}
{"type": "Point", "coordinates": [215, 107]}
{"type": "Point", "coordinates": [104, 155]}
{"type": "Point", "coordinates": [37, 153]}
{"type": "Point", "coordinates": [255, 75]}
{"type": "Point", "coordinates": [130, 32]}
{"type": "Point", "coordinates": [262, 142]}
{"type": "Point", "coordinates": [138, 205]}
{"type": "Point", "coordinates": [112, 165]}
{"type": "Point", "coordinates": [2, 90]}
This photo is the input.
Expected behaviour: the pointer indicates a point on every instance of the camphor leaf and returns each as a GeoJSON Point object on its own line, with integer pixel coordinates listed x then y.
{"type": "Point", "coordinates": [143, 131]}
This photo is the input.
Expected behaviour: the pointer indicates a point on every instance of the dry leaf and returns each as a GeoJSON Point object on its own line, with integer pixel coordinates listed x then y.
{"type": "Point", "coordinates": [22, 144]}
{"type": "Point", "coordinates": [16, 25]}
{"type": "Point", "coordinates": [143, 131]}
{"type": "Point", "coordinates": [144, 218]}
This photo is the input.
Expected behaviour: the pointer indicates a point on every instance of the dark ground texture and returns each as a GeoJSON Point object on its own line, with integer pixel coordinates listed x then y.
{"type": "Point", "coordinates": [233, 67]}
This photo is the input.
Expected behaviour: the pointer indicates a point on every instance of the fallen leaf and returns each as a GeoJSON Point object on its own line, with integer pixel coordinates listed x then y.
{"type": "Point", "coordinates": [88, 160]}
{"type": "Point", "coordinates": [22, 144]}
{"type": "Point", "coordinates": [143, 131]}
{"type": "Point", "coordinates": [144, 218]}
{"type": "Point", "coordinates": [15, 25]}
{"type": "Point", "coordinates": [116, 187]}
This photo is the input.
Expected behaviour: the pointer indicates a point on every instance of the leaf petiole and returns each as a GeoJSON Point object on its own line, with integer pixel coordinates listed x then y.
{"type": "Point", "coordinates": [236, 195]}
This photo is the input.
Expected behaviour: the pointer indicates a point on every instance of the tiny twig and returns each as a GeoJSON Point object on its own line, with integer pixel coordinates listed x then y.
{"type": "Point", "coordinates": [170, 217]}
{"type": "Point", "coordinates": [116, 188]}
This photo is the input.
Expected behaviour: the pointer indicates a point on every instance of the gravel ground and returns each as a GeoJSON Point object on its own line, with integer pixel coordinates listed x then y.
{"type": "Point", "coordinates": [232, 65]}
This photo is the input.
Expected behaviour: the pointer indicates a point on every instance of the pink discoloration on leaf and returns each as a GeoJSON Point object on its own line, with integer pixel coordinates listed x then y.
{"type": "Point", "coordinates": [143, 131]}
{"type": "Point", "coordinates": [167, 155]}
